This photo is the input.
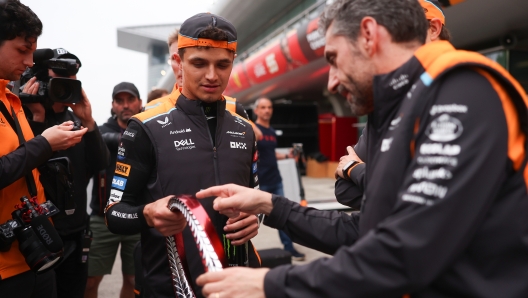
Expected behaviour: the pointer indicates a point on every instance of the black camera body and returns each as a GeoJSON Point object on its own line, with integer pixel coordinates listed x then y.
{"type": "Point", "coordinates": [63, 90]}
{"type": "Point", "coordinates": [38, 241]}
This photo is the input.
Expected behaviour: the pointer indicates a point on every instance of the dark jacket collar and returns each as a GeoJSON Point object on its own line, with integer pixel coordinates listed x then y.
{"type": "Point", "coordinates": [194, 107]}
{"type": "Point", "coordinates": [390, 89]}
{"type": "Point", "coordinates": [112, 124]}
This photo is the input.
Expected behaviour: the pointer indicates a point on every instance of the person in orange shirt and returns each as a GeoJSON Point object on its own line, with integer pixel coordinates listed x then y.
{"type": "Point", "coordinates": [19, 157]}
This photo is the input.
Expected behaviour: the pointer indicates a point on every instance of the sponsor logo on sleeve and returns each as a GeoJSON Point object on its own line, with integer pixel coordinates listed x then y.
{"type": "Point", "coordinates": [426, 173]}
{"type": "Point", "coordinates": [124, 215]}
{"type": "Point", "coordinates": [115, 196]}
{"type": "Point", "coordinates": [439, 149]}
{"type": "Point", "coordinates": [121, 152]}
{"type": "Point", "coordinates": [238, 145]}
{"type": "Point", "coordinates": [386, 144]}
{"type": "Point", "coordinates": [254, 167]}
{"type": "Point", "coordinates": [451, 108]}
{"type": "Point", "coordinates": [185, 144]}
{"type": "Point", "coordinates": [255, 156]}
{"type": "Point", "coordinates": [129, 134]}
{"type": "Point", "coordinates": [123, 169]}
{"type": "Point", "coordinates": [444, 129]}
{"type": "Point", "coordinates": [429, 189]}
{"type": "Point", "coordinates": [119, 183]}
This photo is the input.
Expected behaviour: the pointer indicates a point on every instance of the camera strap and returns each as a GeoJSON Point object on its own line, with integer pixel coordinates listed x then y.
{"type": "Point", "coordinates": [13, 121]}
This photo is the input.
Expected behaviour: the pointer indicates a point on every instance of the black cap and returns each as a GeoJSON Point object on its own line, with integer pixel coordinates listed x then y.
{"type": "Point", "coordinates": [193, 26]}
{"type": "Point", "coordinates": [61, 53]}
{"type": "Point", "coordinates": [125, 87]}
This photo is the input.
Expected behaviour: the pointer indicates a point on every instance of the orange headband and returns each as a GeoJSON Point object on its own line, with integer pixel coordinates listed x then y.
{"type": "Point", "coordinates": [432, 11]}
{"type": "Point", "coordinates": [186, 42]}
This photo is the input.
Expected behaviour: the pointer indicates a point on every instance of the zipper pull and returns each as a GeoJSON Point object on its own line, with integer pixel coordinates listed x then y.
{"type": "Point", "coordinates": [214, 152]}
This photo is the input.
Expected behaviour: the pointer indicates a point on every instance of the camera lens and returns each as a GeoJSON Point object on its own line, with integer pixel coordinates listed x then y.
{"type": "Point", "coordinates": [37, 256]}
{"type": "Point", "coordinates": [61, 92]}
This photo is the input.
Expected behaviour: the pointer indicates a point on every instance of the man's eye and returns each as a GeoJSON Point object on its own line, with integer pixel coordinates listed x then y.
{"type": "Point", "coordinates": [198, 65]}
{"type": "Point", "coordinates": [223, 66]}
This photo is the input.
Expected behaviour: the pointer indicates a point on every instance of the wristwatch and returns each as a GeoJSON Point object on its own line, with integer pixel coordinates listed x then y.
{"type": "Point", "coordinates": [347, 167]}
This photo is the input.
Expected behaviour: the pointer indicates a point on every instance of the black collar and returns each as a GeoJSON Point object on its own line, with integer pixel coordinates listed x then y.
{"type": "Point", "coordinates": [390, 89]}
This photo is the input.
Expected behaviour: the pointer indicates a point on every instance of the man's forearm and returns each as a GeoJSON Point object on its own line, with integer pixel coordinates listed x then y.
{"type": "Point", "coordinates": [125, 219]}
{"type": "Point", "coordinates": [25, 158]}
{"type": "Point", "coordinates": [309, 226]}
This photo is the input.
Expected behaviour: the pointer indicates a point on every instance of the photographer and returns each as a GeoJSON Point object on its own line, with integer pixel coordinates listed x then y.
{"type": "Point", "coordinates": [20, 151]}
{"type": "Point", "coordinates": [86, 158]}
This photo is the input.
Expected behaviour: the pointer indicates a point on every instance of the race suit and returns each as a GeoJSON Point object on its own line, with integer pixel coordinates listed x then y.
{"type": "Point", "coordinates": [445, 197]}
{"type": "Point", "coordinates": [170, 153]}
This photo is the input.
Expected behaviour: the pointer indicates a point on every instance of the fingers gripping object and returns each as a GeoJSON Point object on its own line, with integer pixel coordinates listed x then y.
{"type": "Point", "coordinates": [207, 242]}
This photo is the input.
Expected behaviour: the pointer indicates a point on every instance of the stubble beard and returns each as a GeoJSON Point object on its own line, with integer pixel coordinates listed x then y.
{"type": "Point", "coordinates": [361, 99]}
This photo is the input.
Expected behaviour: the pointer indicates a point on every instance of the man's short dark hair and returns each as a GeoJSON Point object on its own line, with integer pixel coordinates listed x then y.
{"type": "Point", "coordinates": [210, 32]}
{"type": "Point", "coordinates": [18, 20]}
{"type": "Point", "coordinates": [404, 19]}
{"type": "Point", "coordinates": [445, 34]}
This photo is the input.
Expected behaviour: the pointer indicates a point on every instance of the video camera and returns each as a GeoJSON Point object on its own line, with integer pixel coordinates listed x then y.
{"type": "Point", "coordinates": [38, 240]}
{"type": "Point", "coordinates": [63, 90]}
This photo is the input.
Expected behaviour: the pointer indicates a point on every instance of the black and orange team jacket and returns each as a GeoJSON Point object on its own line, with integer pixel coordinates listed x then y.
{"type": "Point", "coordinates": [445, 204]}
{"type": "Point", "coordinates": [15, 162]}
{"type": "Point", "coordinates": [168, 101]}
{"type": "Point", "coordinates": [170, 152]}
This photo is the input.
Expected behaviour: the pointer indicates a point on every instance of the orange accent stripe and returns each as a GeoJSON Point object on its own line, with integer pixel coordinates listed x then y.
{"type": "Point", "coordinates": [350, 170]}
{"type": "Point", "coordinates": [428, 53]}
{"type": "Point", "coordinates": [186, 42]}
{"type": "Point", "coordinates": [137, 292]}
{"type": "Point", "coordinates": [415, 132]}
{"type": "Point", "coordinates": [516, 138]}
{"type": "Point", "coordinates": [257, 254]}
{"type": "Point", "coordinates": [526, 177]}
{"type": "Point", "coordinates": [406, 296]}
{"type": "Point", "coordinates": [454, 2]}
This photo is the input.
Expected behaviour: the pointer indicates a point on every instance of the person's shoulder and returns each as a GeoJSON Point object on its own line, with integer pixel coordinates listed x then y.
{"type": "Point", "coordinates": [161, 108]}
{"type": "Point", "coordinates": [156, 102]}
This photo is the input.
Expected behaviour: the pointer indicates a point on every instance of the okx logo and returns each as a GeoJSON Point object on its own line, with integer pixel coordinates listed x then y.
{"type": "Point", "coordinates": [238, 145]}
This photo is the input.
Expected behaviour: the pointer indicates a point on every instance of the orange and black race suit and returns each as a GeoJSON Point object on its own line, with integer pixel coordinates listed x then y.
{"type": "Point", "coordinates": [171, 152]}
{"type": "Point", "coordinates": [445, 197]}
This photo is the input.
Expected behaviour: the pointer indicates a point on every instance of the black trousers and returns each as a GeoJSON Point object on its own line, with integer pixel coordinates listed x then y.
{"type": "Point", "coordinates": [29, 285]}
{"type": "Point", "coordinates": [71, 274]}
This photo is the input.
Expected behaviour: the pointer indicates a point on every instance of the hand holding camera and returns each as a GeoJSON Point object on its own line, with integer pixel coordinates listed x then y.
{"type": "Point", "coordinates": [61, 137]}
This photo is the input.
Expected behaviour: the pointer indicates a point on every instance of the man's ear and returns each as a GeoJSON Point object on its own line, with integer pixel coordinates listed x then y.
{"type": "Point", "coordinates": [368, 35]}
{"type": "Point", "coordinates": [435, 28]}
{"type": "Point", "coordinates": [177, 58]}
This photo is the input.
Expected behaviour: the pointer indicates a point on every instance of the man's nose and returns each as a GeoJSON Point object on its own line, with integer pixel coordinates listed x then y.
{"type": "Point", "coordinates": [28, 60]}
{"type": "Point", "coordinates": [211, 73]}
{"type": "Point", "coordinates": [333, 83]}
